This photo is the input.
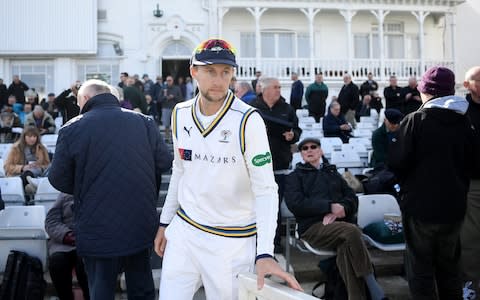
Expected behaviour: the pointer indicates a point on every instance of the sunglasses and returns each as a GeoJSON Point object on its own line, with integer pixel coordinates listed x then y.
{"type": "Point", "coordinates": [305, 148]}
{"type": "Point", "coordinates": [215, 45]}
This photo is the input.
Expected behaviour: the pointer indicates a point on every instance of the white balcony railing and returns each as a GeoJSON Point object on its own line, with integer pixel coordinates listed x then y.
{"type": "Point", "coordinates": [334, 69]}
{"type": "Point", "coordinates": [247, 290]}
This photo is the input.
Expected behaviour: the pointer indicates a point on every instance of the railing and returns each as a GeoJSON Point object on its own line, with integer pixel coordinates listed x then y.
{"type": "Point", "coordinates": [334, 69]}
{"type": "Point", "coordinates": [247, 290]}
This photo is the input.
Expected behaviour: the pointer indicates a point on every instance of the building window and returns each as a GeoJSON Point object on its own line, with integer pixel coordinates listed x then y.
{"type": "Point", "coordinates": [362, 45]}
{"type": "Point", "coordinates": [276, 44]}
{"type": "Point", "coordinates": [37, 75]}
{"type": "Point", "coordinates": [247, 44]}
{"type": "Point", "coordinates": [106, 71]}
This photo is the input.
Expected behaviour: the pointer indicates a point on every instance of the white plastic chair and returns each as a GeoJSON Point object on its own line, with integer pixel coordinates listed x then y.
{"type": "Point", "coordinates": [362, 133]}
{"type": "Point", "coordinates": [306, 120]}
{"type": "Point", "coordinates": [346, 159]}
{"type": "Point", "coordinates": [364, 141]}
{"type": "Point", "coordinates": [12, 190]}
{"type": "Point", "coordinates": [381, 117]}
{"type": "Point", "coordinates": [46, 194]}
{"type": "Point", "coordinates": [4, 150]}
{"type": "Point", "coordinates": [22, 229]}
{"type": "Point", "coordinates": [372, 208]}
{"type": "Point", "coordinates": [302, 113]}
{"type": "Point", "coordinates": [359, 148]}
{"type": "Point", "coordinates": [335, 142]}
{"type": "Point", "coordinates": [366, 125]}
{"type": "Point", "coordinates": [49, 140]}
{"type": "Point", "coordinates": [2, 170]}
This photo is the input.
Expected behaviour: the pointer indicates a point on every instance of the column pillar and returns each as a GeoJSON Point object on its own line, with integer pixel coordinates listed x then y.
{"type": "Point", "coordinates": [380, 15]}
{"type": "Point", "coordinates": [221, 13]}
{"type": "Point", "coordinates": [453, 24]}
{"type": "Point", "coordinates": [310, 14]}
{"type": "Point", "coordinates": [257, 13]}
{"type": "Point", "coordinates": [348, 15]}
{"type": "Point", "coordinates": [421, 15]}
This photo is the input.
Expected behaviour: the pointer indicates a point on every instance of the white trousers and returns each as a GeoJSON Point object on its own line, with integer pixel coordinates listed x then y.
{"type": "Point", "coordinates": [194, 257]}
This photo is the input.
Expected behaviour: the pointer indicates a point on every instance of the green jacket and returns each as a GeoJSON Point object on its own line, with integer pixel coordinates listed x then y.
{"type": "Point", "coordinates": [380, 146]}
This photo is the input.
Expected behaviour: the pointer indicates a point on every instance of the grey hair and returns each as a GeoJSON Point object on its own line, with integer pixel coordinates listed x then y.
{"type": "Point", "coordinates": [265, 82]}
{"type": "Point", "coordinates": [245, 85]}
{"type": "Point", "coordinates": [94, 87]}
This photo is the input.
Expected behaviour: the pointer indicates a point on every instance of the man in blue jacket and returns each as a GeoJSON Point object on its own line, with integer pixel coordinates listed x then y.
{"type": "Point", "coordinates": [111, 160]}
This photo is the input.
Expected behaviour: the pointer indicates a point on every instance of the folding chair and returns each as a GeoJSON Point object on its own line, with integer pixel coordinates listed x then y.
{"type": "Point", "coordinates": [372, 208]}
{"type": "Point", "coordinates": [12, 191]}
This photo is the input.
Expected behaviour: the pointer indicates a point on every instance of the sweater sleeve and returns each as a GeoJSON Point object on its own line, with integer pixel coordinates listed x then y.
{"type": "Point", "coordinates": [54, 225]}
{"type": "Point", "coordinates": [171, 204]}
{"type": "Point", "coordinates": [301, 204]}
{"type": "Point", "coordinates": [259, 164]}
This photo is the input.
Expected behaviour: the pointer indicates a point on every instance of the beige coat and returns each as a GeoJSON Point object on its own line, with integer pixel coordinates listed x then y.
{"type": "Point", "coordinates": [16, 159]}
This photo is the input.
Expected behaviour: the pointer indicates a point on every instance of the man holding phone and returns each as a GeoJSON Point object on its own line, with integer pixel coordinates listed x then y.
{"type": "Point", "coordinates": [282, 131]}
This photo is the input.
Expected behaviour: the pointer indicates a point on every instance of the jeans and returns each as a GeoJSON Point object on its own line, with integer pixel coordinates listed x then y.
{"type": "Point", "coordinates": [103, 271]}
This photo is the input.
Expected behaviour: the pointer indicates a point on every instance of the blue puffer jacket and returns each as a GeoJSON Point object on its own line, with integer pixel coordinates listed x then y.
{"type": "Point", "coordinates": [111, 160]}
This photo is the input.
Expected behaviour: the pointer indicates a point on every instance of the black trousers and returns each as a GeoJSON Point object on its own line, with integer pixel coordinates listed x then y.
{"type": "Point", "coordinates": [433, 260]}
{"type": "Point", "coordinates": [280, 180]}
{"type": "Point", "coordinates": [103, 271]}
{"type": "Point", "coordinates": [60, 265]}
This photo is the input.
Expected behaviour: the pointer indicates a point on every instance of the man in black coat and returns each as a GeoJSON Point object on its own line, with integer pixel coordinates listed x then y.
{"type": "Point", "coordinates": [66, 103]}
{"type": "Point", "coordinates": [432, 158]}
{"type": "Point", "coordinates": [18, 89]}
{"type": "Point", "coordinates": [349, 99]}
{"type": "Point", "coordinates": [296, 94]}
{"type": "Point", "coordinates": [412, 96]}
{"type": "Point", "coordinates": [393, 95]}
{"type": "Point", "coordinates": [335, 125]}
{"type": "Point", "coordinates": [282, 131]}
{"type": "Point", "coordinates": [368, 86]}
{"type": "Point", "coordinates": [112, 160]}
{"type": "Point", "coordinates": [470, 234]}
{"type": "Point", "coordinates": [325, 208]}
{"type": "Point", "coordinates": [3, 94]}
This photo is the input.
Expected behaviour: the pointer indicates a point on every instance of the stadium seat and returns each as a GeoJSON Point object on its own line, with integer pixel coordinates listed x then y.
{"type": "Point", "coordinates": [4, 150]}
{"type": "Point", "coordinates": [2, 170]}
{"type": "Point", "coordinates": [371, 209]}
{"type": "Point", "coordinates": [302, 113]}
{"type": "Point", "coordinates": [346, 159]}
{"type": "Point", "coordinates": [46, 194]}
{"type": "Point", "coordinates": [22, 228]}
{"type": "Point", "coordinates": [364, 141]}
{"type": "Point", "coordinates": [335, 142]}
{"type": "Point", "coordinates": [355, 147]}
{"type": "Point", "coordinates": [49, 140]}
{"type": "Point", "coordinates": [12, 191]}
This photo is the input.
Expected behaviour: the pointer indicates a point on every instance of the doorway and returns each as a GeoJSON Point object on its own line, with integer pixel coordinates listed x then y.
{"type": "Point", "coordinates": [175, 68]}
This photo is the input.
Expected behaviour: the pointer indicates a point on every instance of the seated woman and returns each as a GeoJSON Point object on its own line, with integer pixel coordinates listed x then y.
{"type": "Point", "coordinates": [325, 208]}
{"type": "Point", "coordinates": [335, 125]}
{"type": "Point", "coordinates": [61, 249]}
{"type": "Point", "coordinates": [27, 158]}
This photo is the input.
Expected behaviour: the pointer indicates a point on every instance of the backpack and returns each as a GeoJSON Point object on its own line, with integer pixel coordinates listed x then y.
{"type": "Point", "coordinates": [23, 278]}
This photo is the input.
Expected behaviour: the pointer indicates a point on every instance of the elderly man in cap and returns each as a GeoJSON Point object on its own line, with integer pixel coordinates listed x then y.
{"type": "Point", "coordinates": [383, 136]}
{"type": "Point", "coordinates": [325, 208]}
{"type": "Point", "coordinates": [220, 213]}
{"type": "Point", "coordinates": [432, 159]}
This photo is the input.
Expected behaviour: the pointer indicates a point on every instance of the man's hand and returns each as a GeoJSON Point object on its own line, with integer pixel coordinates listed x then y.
{"type": "Point", "coordinates": [345, 127]}
{"type": "Point", "coordinates": [338, 210]}
{"type": "Point", "coordinates": [288, 135]}
{"type": "Point", "coordinates": [329, 219]}
{"type": "Point", "coordinates": [160, 241]}
{"type": "Point", "coordinates": [268, 266]}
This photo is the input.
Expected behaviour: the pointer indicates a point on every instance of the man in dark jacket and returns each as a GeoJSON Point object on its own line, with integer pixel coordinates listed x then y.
{"type": "Point", "coordinates": [67, 103]}
{"type": "Point", "coordinates": [348, 99]}
{"type": "Point", "coordinates": [431, 158]}
{"type": "Point", "coordinates": [393, 95]}
{"type": "Point", "coordinates": [316, 96]}
{"type": "Point", "coordinates": [112, 160]}
{"type": "Point", "coordinates": [134, 95]}
{"type": "Point", "coordinates": [18, 88]}
{"type": "Point", "coordinates": [296, 94]}
{"type": "Point", "coordinates": [369, 86]}
{"type": "Point", "coordinates": [3, 94]}
{"type": "Point", "coordinates": [335, 125]}
{"type": "Point", "coordinates": [282, 131]}
{"type": "Point", "coordinates": [470, 234]}
{"type": "Point", "coordinates": [325, 207]}
{"type": "Point", "coordinates": [383, 136]}
{"type": "Point", "coordinates": [412, 96]}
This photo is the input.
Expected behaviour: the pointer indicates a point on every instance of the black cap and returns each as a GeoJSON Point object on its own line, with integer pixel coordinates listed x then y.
{"type": "Point", "coordinates": [51, 95]}
{"type": "Point", "coordinates": [393, 115]}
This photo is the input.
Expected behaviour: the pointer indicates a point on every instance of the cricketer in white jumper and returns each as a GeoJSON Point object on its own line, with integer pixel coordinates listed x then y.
{"type": "Point", "coordinates": [222, 177]}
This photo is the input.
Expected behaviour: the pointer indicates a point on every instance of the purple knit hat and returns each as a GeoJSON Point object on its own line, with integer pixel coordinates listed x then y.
{"type": "Point", "coordinates": [437, 81]}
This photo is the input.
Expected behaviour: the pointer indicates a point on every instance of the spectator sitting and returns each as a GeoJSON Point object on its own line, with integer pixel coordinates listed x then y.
{"type": "Point", "coordinates": [31, 97]}
{"type": "Point", "coordinates": [325, 208]}
{"type": "Point", "coordinates": [42, 120]}
{"type": "Point", "coordinates": [28, 157]}
{"type": "Point", "coordinates": [335, 125]}
{"type": "Point", "coordinates": [383, 136]}
{"type": "Point", "coordinates": [49, 105]}
{"type": "Point", "coordinates": [376, 102]}
{"type": "Point", "coordinates": [61, 249]}
{"type": "Point", "coordinates": [364, 109]}
{"type": "Point", "coordinates": [244, 91]}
